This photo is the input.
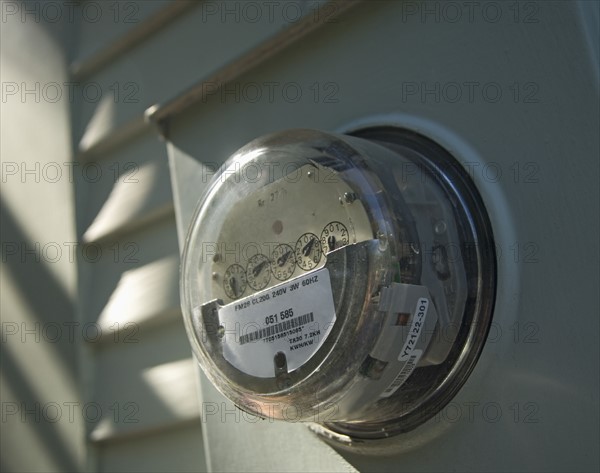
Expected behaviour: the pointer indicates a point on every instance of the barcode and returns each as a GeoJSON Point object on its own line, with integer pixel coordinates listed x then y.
{"type": "Point", "coordinates": [275, 329]}
{"type": "Point", "coordinates": [404, 374]}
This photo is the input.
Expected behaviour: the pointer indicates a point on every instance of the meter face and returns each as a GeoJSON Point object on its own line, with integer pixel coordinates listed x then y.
{"type": "Point", "coordinates": [319, 276]}
{"type": "Point", "coordinates": [283, 230]}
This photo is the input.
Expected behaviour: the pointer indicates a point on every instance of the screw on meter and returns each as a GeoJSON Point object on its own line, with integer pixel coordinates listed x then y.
{"type": "Point", "coordinates": [325, 295]}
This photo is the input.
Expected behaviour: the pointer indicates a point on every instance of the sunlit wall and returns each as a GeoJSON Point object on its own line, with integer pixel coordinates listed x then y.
{"type": "Point", "coordinates": [42, 423]}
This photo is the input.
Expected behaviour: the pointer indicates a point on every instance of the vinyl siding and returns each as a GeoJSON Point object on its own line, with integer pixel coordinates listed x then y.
{"type": "Point", "coordinates": [141, 367]}
{"type": "Point", "coordinates": [139, 372]}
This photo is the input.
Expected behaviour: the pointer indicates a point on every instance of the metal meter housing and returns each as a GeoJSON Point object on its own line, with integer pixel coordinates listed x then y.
{"type": "Point", "coordinates": [345, 281]}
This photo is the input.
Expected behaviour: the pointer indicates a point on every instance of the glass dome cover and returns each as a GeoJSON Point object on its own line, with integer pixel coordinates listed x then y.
{"type": "Point", "coordinates": [323, 282]}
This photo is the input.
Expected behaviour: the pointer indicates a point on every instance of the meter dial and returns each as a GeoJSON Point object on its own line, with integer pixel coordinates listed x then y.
{"type": "Point", "coordinates": [334, 236]}
{"type": "Point", "coordinates": [283, 262]}
{"type": "Point", "coordinates": [234, 281]}
{"type": "Point", "coordinates": [280, 209]}
{"type": "Point", "coordinates": [308, 251]}
{"type": "Point", "coordinates": [258, 272]}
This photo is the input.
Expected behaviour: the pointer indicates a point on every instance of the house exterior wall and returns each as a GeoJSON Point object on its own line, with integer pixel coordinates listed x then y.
{"type": "Point", "coordinates": [156, 93]}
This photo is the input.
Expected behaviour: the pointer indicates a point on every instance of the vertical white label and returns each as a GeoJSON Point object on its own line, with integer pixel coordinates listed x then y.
{"type": "Point", "coordinates": [405, 372]}
{"type": "Point", "coordinates": [416, 327]}
{"type": "Point", "coordinates": [409, 354]}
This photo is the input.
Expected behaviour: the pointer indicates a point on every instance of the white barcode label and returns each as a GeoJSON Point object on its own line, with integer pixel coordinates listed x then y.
{"type": "Point", "coordinates": [276, 329]}
{"type": "Point", "coordinates": [294, 318]}
{"type": "Point", "coordinates": [405, 372]}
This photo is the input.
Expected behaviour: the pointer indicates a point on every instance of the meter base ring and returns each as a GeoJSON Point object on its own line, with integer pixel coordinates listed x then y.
{"type": "Point", "coordinates": [446, 171]}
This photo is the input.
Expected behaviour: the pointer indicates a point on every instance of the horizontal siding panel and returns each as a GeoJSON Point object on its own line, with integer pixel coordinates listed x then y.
{"type": "Point", "coordinates": [176, 450]}
{"type": "Point", "coordinates": [186, 52]}
{"type": "Point", "coordinates": [144, 295]}
{"type": "Point", "coordinates": [104, 25]}
{"type": "Point", "coordinates": [140, 262]}
{"type": "Point", "coordinates": [133, 188]}
{"type": "Point", "coordinates": [144, 383]}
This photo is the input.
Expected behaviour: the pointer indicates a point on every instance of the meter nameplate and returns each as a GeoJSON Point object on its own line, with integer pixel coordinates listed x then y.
{"type": "Point", "coordinates": [293, 318]}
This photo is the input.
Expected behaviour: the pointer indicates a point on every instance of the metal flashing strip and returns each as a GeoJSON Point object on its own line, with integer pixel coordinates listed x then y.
{"type": "Point", "coordinates": [159, 114]}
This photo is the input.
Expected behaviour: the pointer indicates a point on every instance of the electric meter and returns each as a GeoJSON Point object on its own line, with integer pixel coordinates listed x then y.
{"type": "Point", "coordinates": [346, 281]}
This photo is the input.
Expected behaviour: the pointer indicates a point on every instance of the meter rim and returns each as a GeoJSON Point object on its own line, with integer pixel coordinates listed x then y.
{"type": "Point", "coordinates": [372, 436]}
